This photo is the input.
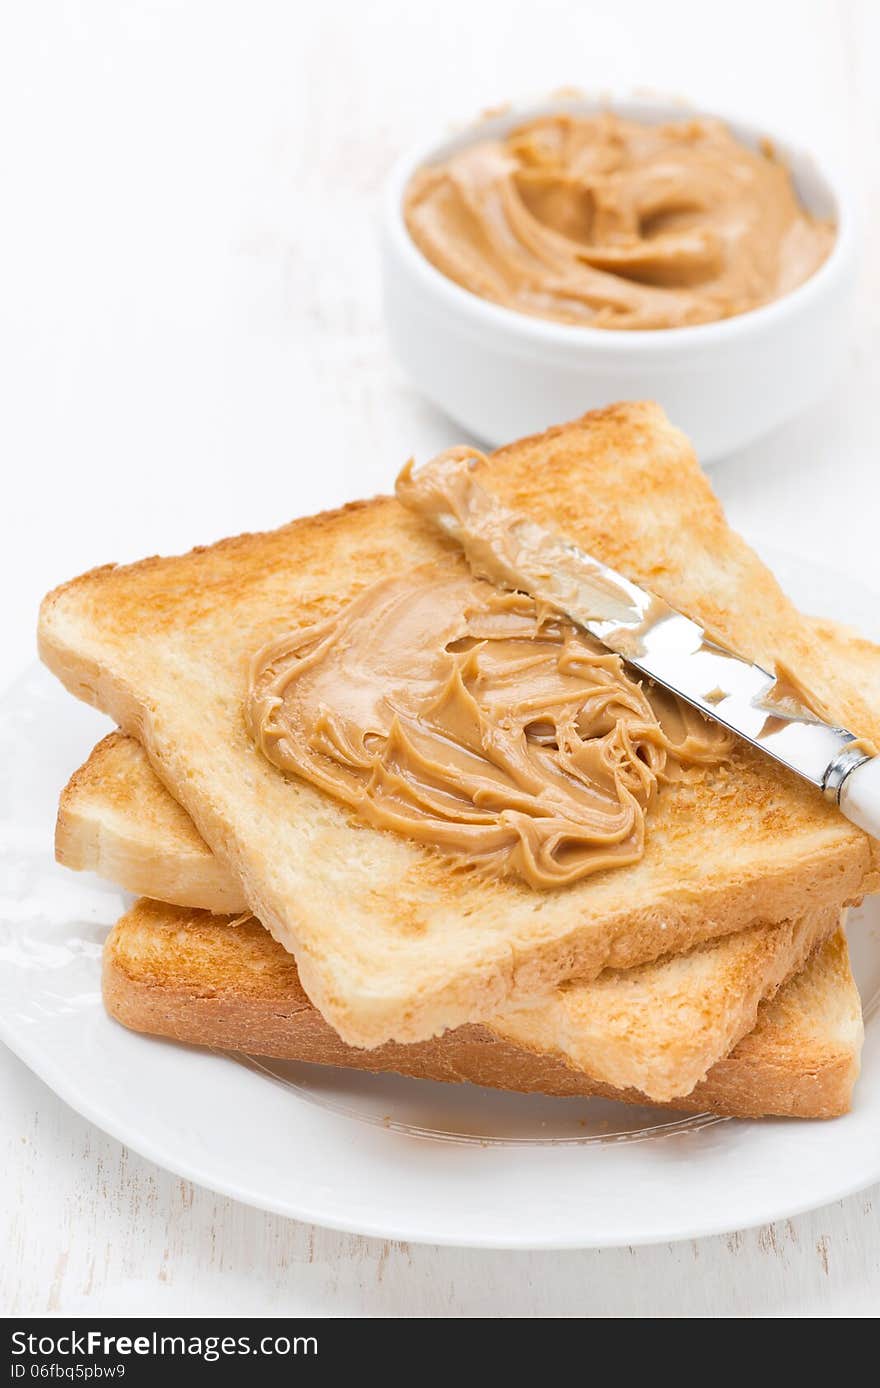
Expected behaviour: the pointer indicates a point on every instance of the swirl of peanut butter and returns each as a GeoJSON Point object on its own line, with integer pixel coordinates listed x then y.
{"type": "Point", "coordinates": [477, 722]}
{"type": "Point", "coordinates": [609, 223]}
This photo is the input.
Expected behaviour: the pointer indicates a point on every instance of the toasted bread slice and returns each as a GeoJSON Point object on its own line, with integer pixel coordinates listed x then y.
{"type": "Point", "coordinates": [657, 1028]}
{"type": "Point", "coordinates": [116, 818]}
{"type": "Point", "coordinates": [390, 943]}
{"type": "Point", "coordinates": [193, 977]}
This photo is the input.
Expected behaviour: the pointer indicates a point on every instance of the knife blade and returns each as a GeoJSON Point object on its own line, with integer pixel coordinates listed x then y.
{"type": "Point", "coordinates": [767, 710]}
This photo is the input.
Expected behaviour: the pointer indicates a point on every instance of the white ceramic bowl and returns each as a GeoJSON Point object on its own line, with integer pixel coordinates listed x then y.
{"type": "Point", "coordinates": [501, 374]}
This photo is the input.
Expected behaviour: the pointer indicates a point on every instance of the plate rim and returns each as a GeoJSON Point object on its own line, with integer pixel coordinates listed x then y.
{"type": "Point", "coordinates": [144, 1147]}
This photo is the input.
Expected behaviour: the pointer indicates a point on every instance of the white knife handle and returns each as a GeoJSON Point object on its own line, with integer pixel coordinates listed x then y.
{"type": "Point", "coordinates": [860, 796]}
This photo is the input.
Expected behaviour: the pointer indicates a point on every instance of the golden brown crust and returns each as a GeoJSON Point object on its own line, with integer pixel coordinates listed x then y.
{"type": "Point", "coordinates": [658, 1028]}
{"type": "Point", "coordinates": [232, 988]}
{"type": "Point", "coordinates": [389, 942]}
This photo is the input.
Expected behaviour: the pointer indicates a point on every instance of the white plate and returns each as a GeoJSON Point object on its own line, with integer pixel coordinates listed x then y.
{"type": "Point", "coordinates": [384, 1155]}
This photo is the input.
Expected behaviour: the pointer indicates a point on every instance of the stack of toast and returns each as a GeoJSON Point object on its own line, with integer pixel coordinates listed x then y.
{"type": "Point", "coordinates": [710, 975]}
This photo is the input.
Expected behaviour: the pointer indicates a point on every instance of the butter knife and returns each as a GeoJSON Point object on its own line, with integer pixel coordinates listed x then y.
{"type": "Point", "coordinates": [769, 711]}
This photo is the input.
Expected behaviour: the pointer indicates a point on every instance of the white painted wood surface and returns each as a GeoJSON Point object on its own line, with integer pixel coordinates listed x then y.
{"type": "Point", "coordinates": [191, 345]}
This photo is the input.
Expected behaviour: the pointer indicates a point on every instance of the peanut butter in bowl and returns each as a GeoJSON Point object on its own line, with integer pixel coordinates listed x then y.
{"type": "Point", "coordinates": [606, 222]}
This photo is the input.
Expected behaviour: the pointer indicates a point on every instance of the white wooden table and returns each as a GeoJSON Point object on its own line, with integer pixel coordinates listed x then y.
{"type": "Point", "coordinates": [191, 345]}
